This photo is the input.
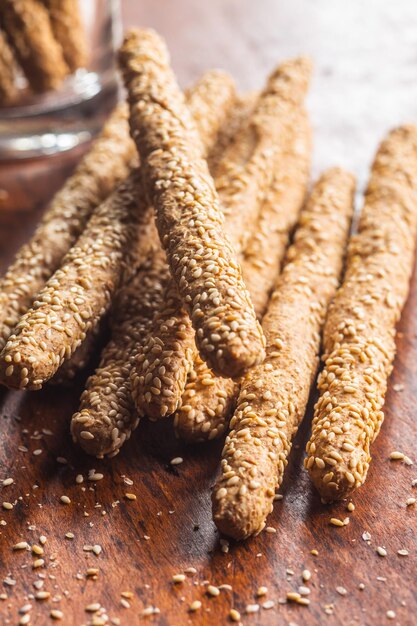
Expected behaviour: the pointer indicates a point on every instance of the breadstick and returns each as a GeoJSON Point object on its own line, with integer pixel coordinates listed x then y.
{"type": "Point", "coordinates": [208, 400]}
{"type": "Point", "coordinates": [28, 27]}
{"type": "Point", "coordinates": [171, 343]}
{"type": "Point", "coordinates": [359, 335]}
{"type": "Point", "coordinates": [79, 293]}
{"type": "Point", "coordinates": [274, 395]}
{"type": "Point", "coordinates": [69, 31]}
{"type": "Point", "coordinates": [248, 172]}
{"type": "Point", "coordinates": [8, 89]}
{"type": "Point", "coordinates": [107, 415]}
{"type": "Point", "coordinates": [189, 217]}
{"type": "Point", "coordinates": [94, 179]}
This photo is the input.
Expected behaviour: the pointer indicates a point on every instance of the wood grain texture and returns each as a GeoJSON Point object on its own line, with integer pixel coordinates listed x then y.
{"type": "Point", "coordinates": [228, 34]}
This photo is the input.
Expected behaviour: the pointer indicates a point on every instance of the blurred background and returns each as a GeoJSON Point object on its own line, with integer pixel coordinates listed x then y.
{"type": "Point", "coordinates": [365, 57]}
{"type": "Point", "coordinates": [364, 52]}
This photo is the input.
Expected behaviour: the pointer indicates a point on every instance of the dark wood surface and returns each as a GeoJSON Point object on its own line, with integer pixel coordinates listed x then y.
{"type": "Point", "coordinates": [169, 528]}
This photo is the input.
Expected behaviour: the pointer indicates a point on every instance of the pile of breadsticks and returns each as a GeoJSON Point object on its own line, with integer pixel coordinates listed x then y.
{"type": "Point", "coordinates": [177, 234]}
{"type": "Point", "coordinates": [43, 40]}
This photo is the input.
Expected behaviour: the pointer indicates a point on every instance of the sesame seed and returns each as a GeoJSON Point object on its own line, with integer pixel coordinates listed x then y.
{"type": "Point", "coordinates": [22, 545]}
{"type": "Point", "coordinates": [341, 591]}
{"type": "Point", "coordinates": [262, 591]}
{"type": "Point", "coordinates": [42, 595]}
{"type": "Point", "coordinates": [306, 575]}
{"type": "Point", "coordinates": [93, 608]}
{"type": "Point", "coordinates": [7, 482]}
{"type": "Point", "coordinates": [269, 604]}
{"type": "Point", "coordinates": [79, 479]}
{"type": "Point", "coordinates": [403, 552]}
{"type": "Point", "coordinates": [391, 614]}
{"type": "Point", "coordinates": [69, 535]}
{"type": "Point", "coordinates": [252, 608]}
{"type": "Point", "coordinates": [176, 461]}
{"type": "Point", "coordinates": [334, 521]}
{"type": "Point", "coordinates": [150, 610]}
{"type": "Point", "coordinates": [92, 571]}
{"type": "Point", "coordinates": [397, 456]}
{"type": "Point", "coordinates": [410, 501]}
{"type": "Point", "coordinates": [178, 578]}
{"type": "Point", "coordinates": [56, 614]}
{"type": "Point", "coordinates": [65, 500]}
{"type": "Point", "coordinates": [37, 549]}
{"type": "Point", "coordinates": [25, 619]}
{"type": "Point", "coordinates": [7, 505]}
{"type": "Point", "coordinates": [195, 606]}
{"type": "Point", "coordinates": [350, 507]}
{"type": "Point", "coordinates": [213, 591]}
{"type": "Point", "coordinates": [234, 615]}
{"type": "Point", "coordinates": [38, 563]}
{"type": "Point", "coordinates": [381, 551]}
{"type": "Point", "coordinates": [130, 496]}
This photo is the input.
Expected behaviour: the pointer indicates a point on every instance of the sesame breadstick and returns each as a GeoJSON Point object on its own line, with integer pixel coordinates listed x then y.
{"type": "Point", "coordinates": [79, 293]}
{"type": "Point", "coordinates": [189, 217]}
{"type": "Point", "coordinates": [68, 29]}
{"type": "Point", "coordinates": [208, 400]}
{"type": "Point", "coordinates": [359, 335]}
{"type": "Point", "coordinates": [29, 30]}
{"type": "Point", "coordinates": [94, 179]}
{"type": "Point", "coordinates": [107, 416]}
{"type": "Point", "coordinates": [274, 395]}
{"type": "Point", "coordinates": [8, 89]}
{"type": "Point", "coordinates": [243, 177]}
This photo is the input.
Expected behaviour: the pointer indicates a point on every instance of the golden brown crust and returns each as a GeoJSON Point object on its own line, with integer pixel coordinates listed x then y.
{"type": "Point", "coordinates": [29, 30]}
{"type": "Point", "coordinates": [8, 89]}
{"type": "Point", "coordinates": [79, 293]}
{"type": "Point", "coordinates": [107, 415]}
{"type": "Point", "coordinates": [359, 335]}
{"type": "Point", "coordinates": [243, 176]}
{"type": "Point", "coordinates": [94, 179]}
{"type": "Point", "coordinates": [171, 344]}
{"type": "Point", "coordinates": [274, 395]}
{"type": "Point", "coordinates": [208, 400]}
{"type": "Point", "coordinates": [189, 217]}
{"type": "Point", "coordinates": [69, 31]}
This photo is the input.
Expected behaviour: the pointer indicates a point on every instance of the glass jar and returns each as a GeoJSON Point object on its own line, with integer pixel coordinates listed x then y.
{"type": "Point", "coordinates": [39, 124]}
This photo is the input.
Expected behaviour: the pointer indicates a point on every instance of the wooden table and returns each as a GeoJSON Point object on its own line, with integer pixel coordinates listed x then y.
{"type": "Point", "coordinates": [365, 83]}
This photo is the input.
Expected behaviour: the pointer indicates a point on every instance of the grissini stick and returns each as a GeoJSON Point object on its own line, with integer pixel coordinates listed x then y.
{"type": "Point", "coordinates": [94, 179]}
{"type": "Point", "coordinates": [209, 400]}
{"type": "Point", "coordinates": [29, 31]}
{"type": "Point", "coordinates": [79, 293]}
{"type": "Point", "coordinates": [274, 395]}
{"type": "Point", "coordinates": [8, 88]}
{"type": "Point", "coordinates": [243, 177]}
{"type": "Point", "coordinates": [189, 218]}
{"type": "Point", "coordinates": [359, 335]}
{"type": "Point", "coordinates": [210, 101]}
{"type": "Point", "coordinates": [69, 31]}
{"type": "Point", "coordinates": [107, 415]}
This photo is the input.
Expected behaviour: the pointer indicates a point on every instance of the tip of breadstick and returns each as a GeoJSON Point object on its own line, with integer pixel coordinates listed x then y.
{"type": "Point", "coordinates": [341, 485]}
{"type": "Point", "coordinates": [296, 69]}
{"type": "Point", "coordinates": [142, 44]}
{"type": "Point", "coordinates": [91, 435]}
{"type": "Point", "coordinates": [239, 517]}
